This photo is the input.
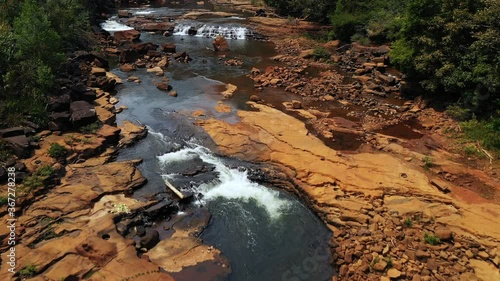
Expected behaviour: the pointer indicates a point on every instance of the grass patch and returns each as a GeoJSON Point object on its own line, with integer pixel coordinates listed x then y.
{"type": "Point", "coordinates": [485, 132]}
{"type": "Point", "coordinates": [28, 271]}
{"type": "Point", "coordinates": [57, 151]}
{"type": "Point", "coordinates": [91, 128]}
{"type": "Point", "coordinates": [431, 239]}
{"type": "Point", "coordinates": [321, 53]}
{"type": "Point", "coordinates": [428, 162]}
{"type": "Point", "coordinates": [3, 200]}
{"type": "Point", "coordinates": [36, 180]}
{"type": "Point", "coordinates": [408, 222]}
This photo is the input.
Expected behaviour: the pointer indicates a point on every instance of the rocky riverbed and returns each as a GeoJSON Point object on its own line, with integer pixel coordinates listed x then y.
{"type": "Point", "coordinates": [336, 131]}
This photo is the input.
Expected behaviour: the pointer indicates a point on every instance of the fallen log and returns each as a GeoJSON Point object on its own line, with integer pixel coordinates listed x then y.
{"type": "Point", "coordinates": [175, 190]}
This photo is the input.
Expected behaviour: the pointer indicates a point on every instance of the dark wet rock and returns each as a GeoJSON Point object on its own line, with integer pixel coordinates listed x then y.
{"type": "Point", "coordinates": [19, 145]}
{"type": "Point", "coordinates": [124, 226]}
{"type": "Point", "coordinates": [89, 57]}
{"type": "Point", "coordinates": [260, 13]}
{"type": "Point", "coordinates": [163, 208]}
{"type": "Point", "coordinates": [197, 221]}
{"type": "Point", "coordinates": [163, 87]}
{"type": "Point", "coordinates": [3, 174]}
{"type": "Point", "coordinates": [129, 56]}
{"type": "Point", "coordinates": [12, 132]}
{"type": "Point", "coordinates": [154, 54]}
{"type": "Point", "coordinates": [127, 36]}
{"type": "Point", "coordinates": [168, 48]}
{"type": "Point", "coordinates": [20, 176]}
{"type": "Point", "coordinates": [144, 48]}
{"type": "Point", "coordinates": [79, 88]}
{"type": "Point", "coordinates": [19, 166]}
{"type": "Point", "coordinates": [150, 239]}
{"type": "Point", "coordinates": [60, 103]}
{"type": "Point", "coordinates": [182, 57]}
{"type": "Point", "coordinates": [82, 113]}
{"type": "Point", "coordinates": [192, 31]}
{"type": "Point", "coordinates": [140, 230]}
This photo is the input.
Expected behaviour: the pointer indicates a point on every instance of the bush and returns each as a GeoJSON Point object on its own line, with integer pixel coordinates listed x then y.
{"type": "Point", "coordinates": [431, 239]}
{"type": "Point", "coordinates": [91, 128]}
{"type": "Point", "coordinates": [321, 53]}
{"type": "Point", "coordinates": [408, 222]}
{"type": "Point", "coordinates": [428, 162]}
{"type": "Point", "coordinates": [486, 132]}
{"type": "Point", "coordinates": [57, 151]}
{"type": "Point", "coordinates": [458, 113]}
{"type": "Point", "coordinates": [45, 171]}
{"type": "Point", "coordinates": [37, 179]}
{"type": "Point", "coordinates": [28, 271]}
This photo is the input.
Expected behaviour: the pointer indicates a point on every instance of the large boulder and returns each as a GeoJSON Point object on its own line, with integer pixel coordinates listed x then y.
{"type": "Point", "coordinates": [220, 44]}
{"type": "Point", "coordinates": [149, 240]}
{"type": "Point", "coordinates": [60, 103]}
{"type": "Point", "coordinates": [59, 121]}
{"type": "Point", "coordinates": [82, 113]}
{"type": "Point", "coordinates": [12, 132]}
{"type": "Point", "coordinates": [19, 145]}
{"type": "Point", "coordinates": [127, 36]}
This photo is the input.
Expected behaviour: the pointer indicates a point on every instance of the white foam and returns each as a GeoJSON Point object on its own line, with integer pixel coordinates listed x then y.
{"type": "Point", "coordinates": [177, 156]}
{"type": "Point", "coordinates": [232, 183]}
{"type": "Point", "coordinates": [143, 12]}
{"type": "Point", "coordinates": [210, 31]}
{"type": "Point", "coordinates": [112, 26]}
{"type": "Point", "coordinates": [237, 18]}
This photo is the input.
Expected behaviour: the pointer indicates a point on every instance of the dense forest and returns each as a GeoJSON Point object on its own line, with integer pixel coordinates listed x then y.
{"type": "Point", "coordinates": [450, 48]}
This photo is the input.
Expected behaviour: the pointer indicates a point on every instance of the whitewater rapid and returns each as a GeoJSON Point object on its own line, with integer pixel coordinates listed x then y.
{"type": "Point", "coordinates": [231, 184]}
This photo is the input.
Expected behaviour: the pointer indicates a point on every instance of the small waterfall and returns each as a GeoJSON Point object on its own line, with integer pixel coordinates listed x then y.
{"type": "Point", "coordinates": [112, 25]}
{"type": "Point", "coordinates": [211, 31]}
{"type": "Point", "coordinates": [232, 184]}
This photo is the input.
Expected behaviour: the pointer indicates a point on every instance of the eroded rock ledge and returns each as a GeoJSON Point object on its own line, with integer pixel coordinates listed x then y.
{"type": "Point", "coordinates": [379, 207]}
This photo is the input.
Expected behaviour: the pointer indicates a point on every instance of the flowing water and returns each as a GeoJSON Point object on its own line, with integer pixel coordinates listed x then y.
{"type": "Point", "coordinates": [266, 233]}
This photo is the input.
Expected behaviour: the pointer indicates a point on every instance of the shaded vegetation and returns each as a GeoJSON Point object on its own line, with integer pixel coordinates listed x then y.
{"type": "Point", "coordinates": [34, 35]}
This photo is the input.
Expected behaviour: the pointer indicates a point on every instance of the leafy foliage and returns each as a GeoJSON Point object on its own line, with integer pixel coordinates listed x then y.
{"type": "Point", "coordinates": [33, 37]}
{"type": "Point", "coordinates": [431, 239]}
{"type": "Point", "coordinates": [56, 150]}
{"type": "Point", "coordinates": [314, 10]}
{"type": "Point", "coordinates": [452, 48]}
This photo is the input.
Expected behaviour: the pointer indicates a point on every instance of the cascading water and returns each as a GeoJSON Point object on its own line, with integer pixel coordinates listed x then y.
{"type": "Point", "coordinates": [211, 31]}
{"type": "Point", "coordinates": [111, 25]}
{"type": "Point", "coordinates": [232, 184]}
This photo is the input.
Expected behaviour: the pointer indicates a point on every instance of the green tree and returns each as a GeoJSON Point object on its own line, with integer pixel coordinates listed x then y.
{"type": "Point", "coordinates": [313, 10]}
{"type": "Point", "coordinates": [453, 48]}
{"type": "Point", "coordinates": [35, 38]}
